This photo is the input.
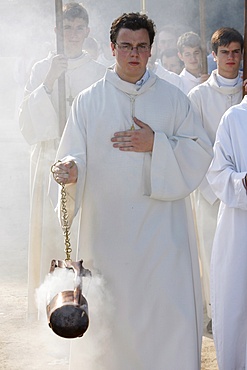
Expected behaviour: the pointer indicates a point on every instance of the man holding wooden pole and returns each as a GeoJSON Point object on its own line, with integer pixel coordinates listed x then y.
{"type": "Point", "coordinates": [42, 117]}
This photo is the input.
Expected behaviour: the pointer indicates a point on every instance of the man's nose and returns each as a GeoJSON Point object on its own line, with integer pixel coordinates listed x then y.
{"type": "Point", "coordinates": [134, 50]}
{"type": "Point", "coordinates": [74, 32]}
{"type": "Point", "coordinates": [231, 54]}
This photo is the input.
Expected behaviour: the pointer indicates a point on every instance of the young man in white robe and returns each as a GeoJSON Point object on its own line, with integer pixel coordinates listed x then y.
{"type": "Point", "coordinates": [190, 53]}
{"type": "Point", "coordinates": [170, 61]}
{"type": "Point", "coordinates": [211, 99]}
{"type": "Point", "coordinates": [132, 151]}
{"type": "Point", "coordinates": [162, 72]}
{"type": "Point", "coordinates": [228, 179]}
{"type": "Point", "coordinates": [40, 126]}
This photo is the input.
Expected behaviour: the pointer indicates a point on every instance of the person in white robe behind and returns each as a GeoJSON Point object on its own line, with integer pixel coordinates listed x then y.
{"type": "Point", "coordinates": [40, 126]}
{"type": "Point", "coordinates": [132, 151]}
{"type": "Point", "coordinates": [227, 176]}
{"type": "Point", "coordinates": [167, 37]}
{"type": "Point", "coordinates": [190, 53]}
{"type": "Point", "coordinates": [161, 72]}
{"type": "Point", "coordinates": [170, 60]}
{"type": "Point", "coordinates": [211, 99]}
{"type": "Point", "coordinates": [105, 56]}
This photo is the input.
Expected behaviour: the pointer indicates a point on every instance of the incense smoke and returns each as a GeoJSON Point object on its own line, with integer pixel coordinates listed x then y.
{"type": "Point", "coordinates": [94, 343]}
{"type": "Point", "coordinates": [26, 35]}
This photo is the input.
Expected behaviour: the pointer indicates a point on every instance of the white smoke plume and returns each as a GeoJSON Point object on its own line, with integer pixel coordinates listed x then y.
{"type": "Point", "coordinates": [95, 342]}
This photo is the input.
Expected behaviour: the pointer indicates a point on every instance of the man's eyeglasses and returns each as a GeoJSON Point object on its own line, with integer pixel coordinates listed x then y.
{"type": "Point", "coordinates": [127, 48]}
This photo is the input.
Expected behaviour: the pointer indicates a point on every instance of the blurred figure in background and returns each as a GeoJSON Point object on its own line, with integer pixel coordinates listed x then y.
{"type": "Point", "coordinates": [160, 71]}
{"type": "Point", "coordinates": [190, 53]}
{"type": "Point", "coordinates": [170, 60]}
{"type": "Point", "coordinates": [91, 46]}
{"type": "Point", "coordinates": [105, 55]}
{"type": "Point", "coordinates": [166, 39]}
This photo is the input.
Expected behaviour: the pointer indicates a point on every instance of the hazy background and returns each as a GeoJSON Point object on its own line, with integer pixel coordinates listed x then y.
{"type": "Point", "coordinates": [27, 31]}
{"type": "Point", "coordinates": [29, 22]}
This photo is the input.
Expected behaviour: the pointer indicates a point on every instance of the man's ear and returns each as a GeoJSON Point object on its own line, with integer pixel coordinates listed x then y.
{"type": "Point", "coordinates": [180, 56]}
{"type": "Point", "coordinates": [215, 56]}
{"type": "Point", "coordinates": [113, 48]}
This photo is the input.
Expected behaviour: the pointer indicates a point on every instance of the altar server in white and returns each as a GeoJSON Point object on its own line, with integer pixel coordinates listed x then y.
{"type": "Point", "coordinates": [132, 152]}
{"type": "Point", "coordinates": [190, 53]}
{"type": "Point", "coordinates": [228, 179]}
{"type": "Point", "coordinates": [211, 99]}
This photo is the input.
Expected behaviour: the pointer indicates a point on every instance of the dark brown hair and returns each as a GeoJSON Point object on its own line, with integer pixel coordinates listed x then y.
{"type": "Point", "coordinates": [132, 21]}
{"type": "Point", "coordinates": [224, 36]}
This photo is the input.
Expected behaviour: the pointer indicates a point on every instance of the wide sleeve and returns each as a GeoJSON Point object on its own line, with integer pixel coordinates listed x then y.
{"type": "Point", "coordinates": [37, 116]}
{"type": "Point", "coordinates": [196, 98]}
{"type": "Point", "coordinates": [72, 147]}
{"type": "Point", "coordinates": [225, 174]}
{"type": "Point", "coordinates": [180, 161]}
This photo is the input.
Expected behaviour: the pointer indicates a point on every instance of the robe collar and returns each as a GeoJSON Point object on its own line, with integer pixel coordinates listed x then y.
{"type": "Point", "coordinates": [225, 90]}
{"type": "Point", "coordinates": [127, 87]}
{"type": "Point", "coordinates": [190, 76]}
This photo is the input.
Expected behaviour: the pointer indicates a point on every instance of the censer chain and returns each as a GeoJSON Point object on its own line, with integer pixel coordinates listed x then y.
{"type": "Point", "coordinates": [65, 224]}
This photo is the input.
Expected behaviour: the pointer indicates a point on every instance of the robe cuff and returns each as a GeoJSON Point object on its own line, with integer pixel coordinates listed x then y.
{"type": "Point", "coordinates": [207, 192]}
{"type": "Point", "coordinates": [240, 191]}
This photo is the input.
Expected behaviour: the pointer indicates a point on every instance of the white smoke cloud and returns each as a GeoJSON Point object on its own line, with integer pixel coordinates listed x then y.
{"type": "Point", "coordinates": [95, 342]}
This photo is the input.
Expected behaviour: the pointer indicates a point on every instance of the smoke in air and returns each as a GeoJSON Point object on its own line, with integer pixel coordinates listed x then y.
{"type": "Point", "coordinates": [95, 342]}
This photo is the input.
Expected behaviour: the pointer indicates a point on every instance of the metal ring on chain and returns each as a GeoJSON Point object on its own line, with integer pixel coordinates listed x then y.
{"type": "Point", "coordinates": [53, 170]}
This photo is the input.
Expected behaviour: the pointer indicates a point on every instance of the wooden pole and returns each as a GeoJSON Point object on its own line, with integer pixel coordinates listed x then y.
{"type": "Point", "coordinates": [143, 7]}
{"type": "Point", "coordinates": [60, 50]}
{"type": "Point", "coordinates": [245, 45]}
{"type": "Point", "coordinates": [203, 36]}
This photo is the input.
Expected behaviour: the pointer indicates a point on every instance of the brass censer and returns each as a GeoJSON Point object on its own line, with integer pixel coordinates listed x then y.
{"type": "Point", "coordinates": [67, 312]}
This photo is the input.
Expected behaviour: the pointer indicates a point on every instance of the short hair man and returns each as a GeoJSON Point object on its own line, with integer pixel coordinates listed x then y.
{"type": "Point", "coordinates": [170, 60]}
{"type": "Point", "coordinates": [190, 53]}
{"type": "Point", "coordinates": [211, 99]}
{"type": "Point", "coordinates": [166, 39]}
{"type": "Point", "coordinates": [155, 66]}
{"type": "Point", "coordinates": [92, 47]}
{"type": "Point", "coordinates": [40, 127]}
{"type": "Point", "coordinates": [132, 152]}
